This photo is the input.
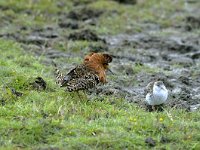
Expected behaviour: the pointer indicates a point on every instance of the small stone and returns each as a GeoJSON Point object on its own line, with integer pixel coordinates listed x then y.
{"type": "Point", "coordinates": [150, 142]}
{"type": "Point", "coordinates": [16, 93]}
{"type": "Point", "coordinates": [39, 84]}
{"type": "Point", "coordinates": [164, 139]}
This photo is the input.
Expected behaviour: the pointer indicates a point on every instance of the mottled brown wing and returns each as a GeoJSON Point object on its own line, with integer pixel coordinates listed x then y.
{"type": "Point", "coordinates": [88, 81]}
{"type": "Point", "coordinates": [149, 88]}
{"type": "Point", "coordinates": [75, 73]}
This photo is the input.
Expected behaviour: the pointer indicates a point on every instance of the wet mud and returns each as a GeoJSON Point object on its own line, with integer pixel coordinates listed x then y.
{"type": "Point", "coordinates": [175, 59]}
{"type": "Point", "coordinates": [87, 35]}
{"type": "Point", "coordinates": [84, 14]}
{"type": "Point", "coordinates": [127, 1]}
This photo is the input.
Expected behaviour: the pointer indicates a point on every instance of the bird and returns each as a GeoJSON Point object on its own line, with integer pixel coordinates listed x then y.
{"type": "Point", "coordinates": [86, 75]}
{"type": "Point", "coordinates": [156, 93]}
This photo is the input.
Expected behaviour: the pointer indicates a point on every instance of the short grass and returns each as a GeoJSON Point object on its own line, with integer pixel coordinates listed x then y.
{"type": "Point", "coordinates": [58, 119]}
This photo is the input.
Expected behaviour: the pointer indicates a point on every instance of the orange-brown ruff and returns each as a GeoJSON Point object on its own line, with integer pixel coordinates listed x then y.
{"type": "Point", "coordinates": [99, 63]}
{"type": "Point", "coordinates": [86, 75]}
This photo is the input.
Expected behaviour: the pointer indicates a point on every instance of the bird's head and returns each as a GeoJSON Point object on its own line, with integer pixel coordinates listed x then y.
{"type": "Point", "coordinates": [98, 62]}
{"type": "Point", "coordinates": [95, 60]}
{"type": "Point", "coordinates": [159, 85]}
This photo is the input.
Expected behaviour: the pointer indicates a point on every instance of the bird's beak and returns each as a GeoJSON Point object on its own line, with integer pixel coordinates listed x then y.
{"type": "Point", "coordinates": [110, 71]}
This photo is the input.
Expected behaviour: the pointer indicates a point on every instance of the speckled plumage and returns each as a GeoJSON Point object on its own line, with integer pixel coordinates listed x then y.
{"type": "Point", "coordinates": [79, 78]}
{"type": "Point", "coordinates": [86, 75]}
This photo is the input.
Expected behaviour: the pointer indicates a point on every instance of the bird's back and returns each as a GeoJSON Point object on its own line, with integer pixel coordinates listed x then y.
{"type": "Point", "coordinates": [79, 78]}
{"type": "Point", "coordinates": [87, 81]}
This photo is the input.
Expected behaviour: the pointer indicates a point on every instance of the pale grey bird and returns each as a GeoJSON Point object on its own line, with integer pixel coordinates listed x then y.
{"type": "Point", "coordinates": [156, 93]}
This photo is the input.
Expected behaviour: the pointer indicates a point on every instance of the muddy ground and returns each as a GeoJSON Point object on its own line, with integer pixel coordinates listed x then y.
{"type": "Point", "coordinates": [171, 54]}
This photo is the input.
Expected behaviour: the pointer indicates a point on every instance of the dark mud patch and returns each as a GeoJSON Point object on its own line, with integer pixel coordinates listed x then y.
{"type": "Point", "coordinates": [195, 107]}
{"type": "Point", "coordinates": [150, 142]}
{"type": "Point", "coordinates": [16, 93]}
{"type": "Point", "coordinates": [12, 8]}
{"type": "Point", "coordinates": [25, 39]}
{"type": "Point", "coordinates": [48, 52]}
{"type": "Point", "coordinates": [11, 36]}
{"type": "Point", "coordinates": [164, 44]}
{"type": "Point", "coordinates": [87, 35]}
{"type": "Point", "coordinates": [39, 84]}
{"type": "Point", "coordinates": [179, 104]}
{"type": "Point", "coordinates": [162, 52]}
{"type": "Point", "coordinates": [82, 3]}
{"type": "Point", "coordinates": [48, 148]}
{"type": "Point", "coordinates": [161, 43]}
{"type": "Point", "coordinates": [47, 32]}
{"type": "Point", "coordinates": [177, 60]}
{"type": "Point", "coordinates": [84, 14]}
{"type": "Point", "coordinates": [164, 140]}
{"type": "Point", "coordinates": [192, 23]}
{"type": "Point", "coordinates": [37, 40]}
{"type": "Point", "coordinates": [69, 24]}
{"type": "Point", "coordinates": [195, 55]}
{"type": "Point", "coordinates": [39, 36]}
{"type": "Point", "coordinates": [133, 2]}
{"type": "Point", "coordinates": [98, 48]}
{"type": "Point", "coordinates": [4, 8]}
{"type": "Point", "coordinates": [130, 58]}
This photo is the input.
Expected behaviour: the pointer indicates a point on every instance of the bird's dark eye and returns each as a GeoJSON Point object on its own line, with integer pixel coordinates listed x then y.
{"type": "Point", "coordinates": [108, 58]}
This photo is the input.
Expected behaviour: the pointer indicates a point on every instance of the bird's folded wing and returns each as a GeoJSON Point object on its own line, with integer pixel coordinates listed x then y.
{"type": "Point", "coordinates": [78, 72]}
{"type": "Point", "coordinates": [88, 81]}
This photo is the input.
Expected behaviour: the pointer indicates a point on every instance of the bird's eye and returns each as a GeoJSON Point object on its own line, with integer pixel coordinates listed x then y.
{"type": "Point", "coordinates": [158, 84]}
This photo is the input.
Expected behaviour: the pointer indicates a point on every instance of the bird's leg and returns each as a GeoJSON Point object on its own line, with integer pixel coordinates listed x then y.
{"type": "Point", "coordinates": [162, 107]}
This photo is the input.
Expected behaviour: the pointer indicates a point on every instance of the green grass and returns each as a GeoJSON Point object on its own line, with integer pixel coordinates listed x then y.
{"type": "Point", "coordinates": [54, 118]}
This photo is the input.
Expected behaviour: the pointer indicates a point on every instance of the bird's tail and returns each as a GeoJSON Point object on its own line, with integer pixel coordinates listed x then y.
{"type": "Point", "coordinates": [59, 77]}
{"type": "Point", "coordinates": [58, 74]}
